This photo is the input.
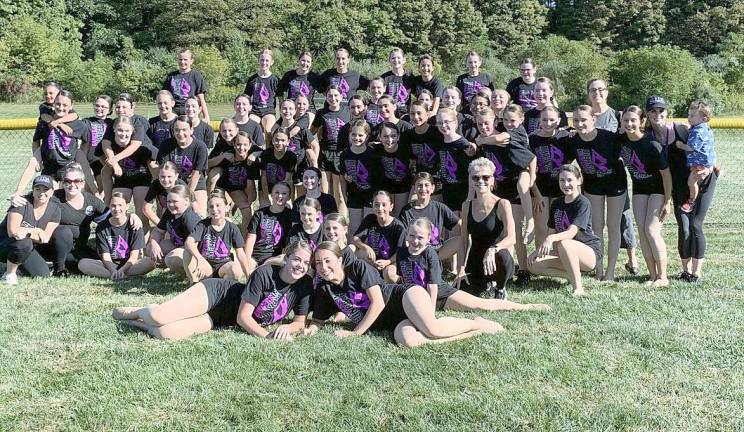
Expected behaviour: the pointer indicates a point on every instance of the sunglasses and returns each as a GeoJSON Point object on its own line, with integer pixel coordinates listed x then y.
{"type": "Point", "coordinates": [484, 178]}
{"type": "Point", "coordinates": [73, 181]}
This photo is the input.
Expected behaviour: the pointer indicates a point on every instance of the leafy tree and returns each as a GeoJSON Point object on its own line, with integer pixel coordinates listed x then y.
{"type": "Point", "coordinates": [457, 28]}
{"type": "Point", "coordinates": [512, 24]}
{"type": "Point", "coordinates": [701, 26]}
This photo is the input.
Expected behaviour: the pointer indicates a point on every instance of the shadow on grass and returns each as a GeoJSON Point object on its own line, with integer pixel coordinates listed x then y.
{"type": "Point", "coordinates": [538, 283]}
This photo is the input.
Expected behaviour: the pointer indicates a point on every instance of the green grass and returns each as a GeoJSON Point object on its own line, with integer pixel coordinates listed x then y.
{"type": "Point", "coordinates": [623, 358]}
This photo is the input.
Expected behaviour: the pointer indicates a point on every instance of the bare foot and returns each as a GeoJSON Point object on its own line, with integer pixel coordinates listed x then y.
{"type": "Point", "coordinates": [124, 313]}
{"type": "Point", "coordinates": [661, 283]}
{"type": "Point", "coordinates": [578, 292]}
{"type": "Point", "coordinates": [488, 326]}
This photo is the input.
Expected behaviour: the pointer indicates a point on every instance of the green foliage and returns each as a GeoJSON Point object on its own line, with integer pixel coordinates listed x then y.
{"type": "Point", "coordinates": [458, 28]}
{"type": "Point", "coordinates": [500, 73]}
{"type": "Point", "coordinates": [664, 70]}
{"type": "Point", "coordinates": [701, 26]}
{"type": "Point", "coordinates": [89, 78]}
{"type": "Point", "coordinates": [570, 64]}
{"type": "Point", "coordinates": [512, 24]}
{"type": "Point", "coordinates": [143, 76]}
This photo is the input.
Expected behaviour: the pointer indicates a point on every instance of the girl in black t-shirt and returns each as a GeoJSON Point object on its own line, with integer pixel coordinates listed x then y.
{"type": "Point", "coordinates": [242, 117]}
{"type": "Point", "coordinates": [652, 191]}
{"type": "Point", "coordinates": [358, 182]}
{"type": "Point", "coordinates": [347, 81]}
{"type": "Point", "coordinates": [96, 127]}
{"type": "Point", "coordinates": [309, 230]}
{"type": "Point", "coordinates": [119, 246]}
{"type": "Point", "coordinates": [380, 234]}
{"type": "Point", "coordinates": [302, 143]}
{"type": "Point", "coordinates": [158, 192]}
{"type": "Point", "coordinates": [357, 290]}
{"type": "Point", "coordinates": [160, 125]}
{"type": "Point", "coordinates": [544, 97]}
{"type": "Point", "coordinates": [471, 82]}
{"type": "Point", "coordinates": [222, 148]}
{"type": "Point", "coordinates": [301, 82]}
{"type": "Point", "coordinates": [396, 166]}
{"type": "Point", "coordinates": [326, 126]}
{"type": "Point", "coordinates": [240, 169]}
{"type": "Point", "coordinates": [455, 153]}
{"type": "Point", "coordinates": [372, 111]}
{"type": "Point", "coordinates": [418, 264]}
{"type": "Point", "coordinates": [269, 227]}
{"type": "Point", "coordinates": [548, 145]}
{"type": "Point", "coordinates": [202, 130]}
{"type": "Point", "coordinates": [522, 89]}
{"type": "Point", "coordinates": [571, 246]}
{"type": "Point", "coordinates": [266, 299]}
{"type": "Point", "coordinates": [311, 185]}
{"type": "Point", "coordinates": [427, 81]}
{"type": "Point", "coordinates": [262, 88]}
{"type": "Point", "coordinates": [27, 228]}
{"type": "Point", "coordinates": [207, 250]}
{"type": "Point", "coordinates": [398, 81]}
{"type": "Point", "coordinates": [277, 163]}
{"type": "Point", "coordinates": [190, 156]}
{"type": "Point", "coordinates": [422, 139]}
{"type": "Point", "coordinates": [178, 221]}
{"type": "Point", "coordinates": [186, 82]}
{"type": "Point", "coordinates": [386, 105]}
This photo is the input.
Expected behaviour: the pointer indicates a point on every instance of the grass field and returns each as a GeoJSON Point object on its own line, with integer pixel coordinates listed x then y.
{"type": "Point", "coordinates": [625, 357]}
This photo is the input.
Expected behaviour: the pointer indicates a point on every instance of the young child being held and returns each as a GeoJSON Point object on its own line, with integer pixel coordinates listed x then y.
{"type": "Point", "coordinates": [701, 151]}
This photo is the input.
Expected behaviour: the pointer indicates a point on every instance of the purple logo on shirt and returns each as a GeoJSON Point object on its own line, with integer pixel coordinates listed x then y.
{"type": "Point", "coordinates": [180, 88]}
{"type": "Point", "coordinates": [128, 164]}
{"type": "Point", "coordinates": [402, 94]}
{"type": "Point", "coordinates": [401, 169]}
{"type": "Point", "coordinates": [563, 222]}
{"type": "Point", "coordinates": [384, 246]}
{"type": "Point", "coordinates": [304, 89]}
{"type": "Point", "coordinates": [263, 95]}
{"type": "Point", "coordinates": [639, 166]}
{"type": "Point", "coordinates": [293, 144]}
{"type": "Point", "coordinates": [122, 248]}
{"type": "Point", "coordinates": [429, 154]}
{"type": "Point", "coordinates": [358, 300]}
{"type": "Point", "coordinates": [276, 233]}
{"type": "Point", "coordinates": [237, 175]}
{"type": "Point", "coordinates": [556, 155]}
{"type": "Point", "coordinates": [97, 131]}
{"type": "Point", "coordinates": [373, 116]}
{"type": "Point", "coordinates": [343, 86]}
{"type": "Point", "coordinates": [273, 308]}
{"type": "Point", "coordinates": [175, 238]}
{"type": "Point", "coordinates": [471, 88]}
{"type": "Point", "coordinates": [498, 168]}
{"type": "Point", "coordinates": [434, 238]}
{"type": "Point", "coordinates": [220, 249]}
{"type": "Point", "coordinates": [599, 161]}
{"type": "Point", "coordinates": [419, 275]}
{"type": "Point", "coordinates": [186, 165]}
{"type": "Point", "coordinates": [59, 140]}
{"type": "Point", "coordinates": [362, 175]}
{"type": "Point", "coordinates": [450, 167]}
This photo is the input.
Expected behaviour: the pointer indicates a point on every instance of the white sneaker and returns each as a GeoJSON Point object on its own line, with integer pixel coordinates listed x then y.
{"type": "Point", "coordinates": [10, 279]}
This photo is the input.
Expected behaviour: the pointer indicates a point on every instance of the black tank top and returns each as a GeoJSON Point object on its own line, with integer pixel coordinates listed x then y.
{"type": "Point", "coordinates": [485, 232]}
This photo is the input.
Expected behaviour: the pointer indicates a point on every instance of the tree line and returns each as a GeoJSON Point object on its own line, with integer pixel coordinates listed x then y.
{"type": "Point", "coordinates": [684, 49]}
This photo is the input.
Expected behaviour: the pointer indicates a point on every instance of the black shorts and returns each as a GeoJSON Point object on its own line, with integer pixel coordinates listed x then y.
{"type": "Point", "coordinates": [443, 293]}
{"type": "Point", "coordinates": [396, 188]}
{"type": "Point", "coordinates": [330, 161]}
{"type": "Point", "coordinates": [548, 186]}
{"type": "Point", "coordinates": [217, 266]}
{"type": "Point", "coordinates": [507, 189]}
{"type": "Point", "coordinates": [226, 186]}
{"type": "Point", "coordinates": [393, 313]}
{"type": "Point", "coordinates": [649, 188]}
{"type": "Point", "coordinates": [53, 171]}
{"type": "Point", "coordinates": [606, 187]}
{"type": "Point", "coordinates": [131, 182]}
{"type": "Point", "coordinates": [223, 300]}
{"type": "Point", "coordinates": [96, 166]}
{"type": "Point", "coordinates": [263, 112]}
{"type": "Point", "coordinates": [359, 200]}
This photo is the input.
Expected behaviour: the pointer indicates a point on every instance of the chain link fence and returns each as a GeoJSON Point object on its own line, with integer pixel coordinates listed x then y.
{"type": "Point", "coordinates": [726, 211]}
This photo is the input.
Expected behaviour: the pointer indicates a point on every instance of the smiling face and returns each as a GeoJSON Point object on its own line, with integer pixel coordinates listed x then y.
{"type": "Point", "coordinates": [309, 216]}
{"type": "Point", "coordinates": [419, 116]}
{"type": "Point", "coordinates": [310, 180]}
{"type": "Point", "coordinates": [631, 122]}
{"type": "Point", "coordinates": [167, 178]}
{"type": "Point", "coordinates": [216, 207]}
{"type": "Point", "coordinates": [279, 195]}
{"type": "Point", "coordinates": [527, 71]}
{"type": "Point", "coordinates": [512, 120]}
{"type": "Point", "coordinates": [382, 206]}
{"type": "Point", "coordinates": [302, 105]}
{"type": "Point", "coordinates": [569, 184]}
{"type": "Point", "coordinates": [242, 146]}
{"type": "Point", "coordinates": [387, 109]}
{"type": "Point", "coordinates": [356, 108]}
{"type": "Point", "coordinates": [657, 117]}
{"type": "Point", "coordinates": [342, 61]}
{"type": "Point", "coordinates": [101, 108]}
{"type": "Point", "coordinates": [228, 131]}
{"type": "Point", "coordinates": [298, 263]}
{"type": "Point", "coordinates": [473, 63]}
{"type": "Point", "coordinates": [479, 103]}
{"type": "Point", "coordinates": [446, 124]}
{"type": "Point", "coordinates": [499, 100]}
{"type": "Point", "coordinates": [62, 106]}
{"type": "Point", "coordinates": [583, 121]}
{"type": "Point", "coordinates": [176, 204]}
{"type": "Point", "coordinates": [335, 232]}
{"type": "Point", "coordinates": [357, 137]}
{"type": "Point", "coordinates": [182, 132]}
{"type": "Point", "coordinates": [598, 92]}
{"type": "Point", "coordinates": [327, 265]}
{"type": "Point", "coordinates": [484, 123]}
{"type": "Point", "coordinates": [280, 141]}
{"type": "Point", "coordinates": [242, 106]}
{"type": "Point", "coordinates": [191, 108]}
{"type": "Point", "coordinates": [185, 60]}
{"type": "Point", "coordinates": [426, 69]}
{"type": "Point", "coordinates": [165, 104]}
{"type": "Point", "coordinates": [265, 61]}
{"type": "Point", "coordinates": [397, 60]}
{"type": "Point", "coordinates": [124, 108]}
{"type": "Point", "coordinates": [424, 189]}
{"type": "Point", "coordinates": [418, 238]}
{"type": "Point", "coordinates": [481, 177]}
{"type": "Point", "coordinates": [118, 207]}
{"type": "Point", "coordinates": [451, 99]}
{"type": "Point", "coordinates": [376, 88]}
{"type": "Point", "coordinates": [304, 64]}
{"type": "Point", "coordinates": [543, 93]}
{"type": "Point", "coordinates": [123, 133]}
{"type": "Point", "coordinates": [50, 93]}
{"type": "Point", "coordinates": [333, 97]}
{"type": "Point", "coordinates": [73, 184]}
{"type": "Point", "coordinates": [288, 110]}
{"type": "Point", "coordinates": [549, 120]}
{"type": "Point", "coordinates": [42, 194]}
{"type": "Point", "coordinates": [389, 138]}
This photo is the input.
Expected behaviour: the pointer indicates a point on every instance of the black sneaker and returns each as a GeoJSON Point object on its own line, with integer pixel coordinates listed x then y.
{"type": "Point", "coordinates": [693, 278]}
{"type": "Point", "coordinates": [490, 290]}
{"type": "Point", "coordinates": [500, 294]}
{"type": "Point", "coordinates": [523, 278]}
{"type": "Point", "coordinates": [61, 273]}
{"type": "Point", "coordinates": [684, 276]}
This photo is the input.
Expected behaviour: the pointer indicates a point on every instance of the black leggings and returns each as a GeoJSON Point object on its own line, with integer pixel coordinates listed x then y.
{"type": "Point", "coordinates": [23, 252]}
{"type": "Point", "coordinates": [477, 281]}
{"type": "Point", "coordinates": [690, 237]}
{"type": "Point", "coordinates": [69, 247]}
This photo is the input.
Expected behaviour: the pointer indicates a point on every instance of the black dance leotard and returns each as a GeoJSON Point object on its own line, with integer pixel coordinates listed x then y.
{"type": "Point", "coordinates": [484, 234]}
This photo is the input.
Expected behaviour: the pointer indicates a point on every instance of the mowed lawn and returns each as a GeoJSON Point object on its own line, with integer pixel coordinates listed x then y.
{"type": "Point", "coordinates": [625, 357]}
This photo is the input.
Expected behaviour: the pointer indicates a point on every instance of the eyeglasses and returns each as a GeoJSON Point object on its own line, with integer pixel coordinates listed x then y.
{"type": "Point", "coordinates": [597, 90]}
{"type": "Point", "coordinates": [69, 182]}
{"type": "Point", "coordinates": [442, 122]}
{"type": "Point", "coordinates": [484, 178]}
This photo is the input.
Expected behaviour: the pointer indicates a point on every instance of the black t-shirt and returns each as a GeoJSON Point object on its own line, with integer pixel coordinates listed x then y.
{"type": "Point", "coordinates": [273, 298]}
{"type": "Point", "coordinates": [51, 214]}
{"type": "Point", "coordinates": [94, 133]}
{"type": "Point", "coordinates": [454, 161]}
{"type": "Point", "coordinates": [136, 164]}
{"type": "Point", "coordinates": [204, 133]}
{"type": "Point", "coordinates": [236, 174]}
{"type": "Point", "coordinates": [141, 125]}
{"type": "Point", "coordinates": [361, 169]}
{"type": "Point", "coordinates": [372, 115]}
{"type": "Point", "coordinates": [396, 168]}
{"type": "Point", "coordinates": [271, 230]}
{"type": "Point", "coordinates": [439, 215]}
{"type": "Point", "coordinates": [276, 170]}
{"type": "Point", "coordinates": [299, 141]}
{"type": "Point", "coordinates": [327, 206]}
{"type": "Point", "coordinates": [331, 122]}
{"type": "Point", "coordinates": [348, 83]}
{"type": "Point", "coordinates": [187, 160]}
{"type": "Point", "coordinates": [510, 160]}
{"type": "Point", "coordinates": [470, 85]}
{"type": "Point", "coordinates": [159, 130]}
{"type": "Point", "coordinates": [532, 120]}
{"type": "Point", "coordinates": [384, 240]}
{"type": "Point", "coordinates": [297, 232]}
{"type": "Point", "coordinates": [423, 148]}
{"type": "Point", "coordinates": [644, 159]}
{"type": "Point", "coordinates": [215, 246]}
{"type": "Point", "coordinates": [157, 191]}
{"type": "Point", "coordinates": [401, 127]}
{"type": "Point", "coordinates": [343, 133]}
{"type": "Point", "coordinates": [599, 160]}
{"type": "Point", "coordinates": [579, 213]}
{"type": "Point", "coordinates": [263, 91]}
{"type": "Point", "coordinates": [421, 269]}
{"type": "Point", "coordinates": [184, 85]}
{"type": "Point", "coordinates": [178, 228]}
{"type": "Point", "coordinates": [351, 296]}
{"type": "Point", "coordinates": [551, 154]}
{"type": "Point", "coordinates": [255, 131]}
{"type": "Point", "coordinates": [57, 147]}
{"type": "Point", "coordinates": [399, 88]}
{"type": "Point", "coordinates": [522, 93]}
{"type": "Point", "coordinates": [118, 241]}
{"type": "Point", "coordinates": [434, 85]}
{"type": "Point", "coordinates": [300, 85]}
{"type": "Point", "coordinates": [93, 209]}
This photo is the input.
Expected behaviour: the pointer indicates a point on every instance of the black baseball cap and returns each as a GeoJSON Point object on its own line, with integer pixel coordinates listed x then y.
{"type": "Point", "coordinates": [655, 102]}
{"type": "Point", "coordinates": [44, 180]}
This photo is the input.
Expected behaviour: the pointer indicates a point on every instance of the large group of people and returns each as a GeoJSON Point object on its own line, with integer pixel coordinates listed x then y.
{"type": "Point", "coordinates": [374, 210]}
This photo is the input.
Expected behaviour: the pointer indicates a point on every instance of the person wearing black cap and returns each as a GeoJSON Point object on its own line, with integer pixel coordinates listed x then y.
{"type": "Point", "coordinates": [27, 229]}
{"type": "Point", "coordinates": [690, 238]}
